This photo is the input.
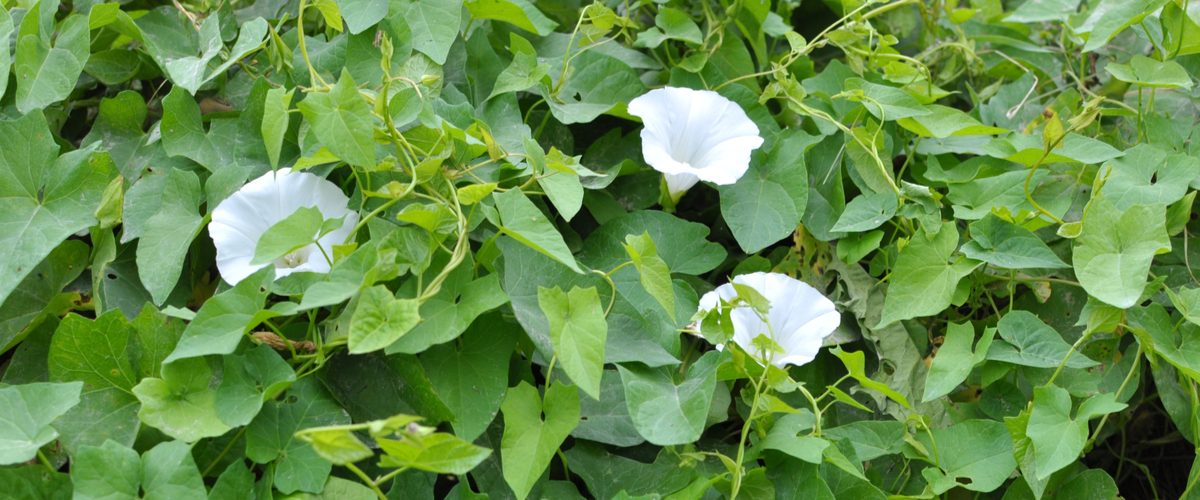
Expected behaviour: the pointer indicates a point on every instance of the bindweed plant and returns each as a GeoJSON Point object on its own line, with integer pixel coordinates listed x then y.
{"type": "Point", "coordinates": [625, 250]}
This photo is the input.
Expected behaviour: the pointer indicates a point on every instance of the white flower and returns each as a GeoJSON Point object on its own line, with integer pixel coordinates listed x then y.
{"type": "Point", "coordinates": [240, 220]}
{"type": "Point", "coordinates": [695, 135]}
{"type": "Point", "coordinates": [800, 316]}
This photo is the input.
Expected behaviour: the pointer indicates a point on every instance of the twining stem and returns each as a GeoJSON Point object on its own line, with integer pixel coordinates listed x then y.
{"type": "Point", "coordinates": [612, 299]}
{"type": "Point", "coordinates": [312, 72]}
{"type": "Point", "coordinates": [1117, 397]}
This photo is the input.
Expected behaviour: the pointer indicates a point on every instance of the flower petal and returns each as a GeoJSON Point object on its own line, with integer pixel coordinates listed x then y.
{"type": "Point", "coordinates": [242, 218]}
{"type": "Point", "coordinates": [697, 132]}
{"type": "Point", "coordinates": [800, 316]}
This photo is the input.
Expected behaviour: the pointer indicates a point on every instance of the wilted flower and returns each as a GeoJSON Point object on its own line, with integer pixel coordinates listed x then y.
{"type": "Point", "coordinates": [695, 135]}
{"type": "Point", "coordinates": [800, 317]}
{"type": "Point", "coordinates": [240, 220]}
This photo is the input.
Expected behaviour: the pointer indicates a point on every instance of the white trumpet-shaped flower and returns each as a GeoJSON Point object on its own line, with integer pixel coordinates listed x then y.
{"type": "Point", "coordinates": [800, 317]}
{"type": "Point", "coordinates": [242, 218]}
{"type": "Point", "coordinates": [695, 135]}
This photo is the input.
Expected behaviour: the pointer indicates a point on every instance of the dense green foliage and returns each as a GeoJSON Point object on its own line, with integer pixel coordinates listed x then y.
{"type": "Point", "coordinates": [997, 196]}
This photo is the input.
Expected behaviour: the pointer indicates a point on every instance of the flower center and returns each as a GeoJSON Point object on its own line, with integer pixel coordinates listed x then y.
{"type": "Point", "coordinates": [294, 259]}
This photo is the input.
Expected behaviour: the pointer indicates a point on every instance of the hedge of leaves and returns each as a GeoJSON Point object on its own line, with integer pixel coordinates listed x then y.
{"type": "Point", "coordinates": [486, 288]}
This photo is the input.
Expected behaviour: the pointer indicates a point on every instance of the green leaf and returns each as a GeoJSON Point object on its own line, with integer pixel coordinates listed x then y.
{"type": "Point", "coordinates": [783, 437]}
{"type": "Point", "coordinates": [523, 73]}
{"type": "Point", "coordinates": [980, 457]}
{"type": "Point", "coordinates": [183, 132]}
{"type": "Point", "coordinates": [1030, 342]}
{"type": "Point", "coordinates": [666, 411]}
{"type": "Point", "coordinates": [924, 280]}
{"type": "Point", "coordinates": [599, 83]}
{"type": "Point", "coordinates": [380, 319]}
{"type": "Point", "coordinates": [224, 319]}
{"type": "Point", "coordinates": [1112, 256]}
{"type": "Point", "coordinates": [374, 387]}
{"type": "Point", "coordinates": [766, 204]}
{"type": "Point", "coordinates": [96, 353]}
{"type": "Point", "coordinates": [975, 199]}
{"type": "Point", "coordinates": [1147, 72]}
{"type": "Point", "coordinates": [169, 472]}
{"type": "Point", "coordinates": [434, 25]}
{"type": "Point", "coordinates": [439, 452]}
{"type": "Point", "coordinates": [522, 220]}
{"type": "Point", "coordinates": [1047, 10]}
{"type": "Point", "coordinates": [1057, 438]}
{"type": "Point", "coordinates": [247, 381]}
{"type": "Point", "coordinates": [944, 121]}
{"type": "Point", "coordinates": [47, 74]}
{"type": "Point", "coordinates": [954, 359]}
{"type": "Point", "coordinates": [677, 26]}
{"type": "Point", "coordinates": [337, 444]}
{"type": "Point", "coordinates": [463, 373]}
{"type": "Point", "coordinates": [872, 438]}
{"type": "Point", "coordinates": [1028, 149]}
{"type": "Point", "coordinates": [530, 441]}
{"type": "Point", "coordinates": [45, 199]}
{"type": "Point", "coordinates": [270, 437]}
{"type": "Point", "coordinates": [6, 30]}
{"type": "Point", "coordinates": [32, 482]}
{"type": "Point", "coordinates": [1187, 302]}
{"type": "Point", "coordinates": [653, 272]}
{"type": "Point", "coordinates": [859, 146]}
{"type": "Point", "coordinates": [1147, 175]}
{"type": "Point", "coordinates": [1093, 484]}
{"type": "Point", "coordinates": [447, 315]}
{"type": "Point", "coordinates": [606, 473]}
{"type": "Point", "coordinates": [518, 12]}
{"type": "Point", "coordinates": [856, 366]}
{"type": "Point", "coordinates": [39, 288]}
{"type": "Point", "coordinates": [236, 483]}
{"type": "Point", "coordinates": [866, 212]}
{"type": "Point", "coordinates": [1178, 350]}
{"type": "Point", "coordinates": [561, 187]}
{"type": "Point", "coordinates": [169, 233]}
{"type": "Point", "coordinates": [1004, 244]}
{"type": "Point", "coordinates": [362, 14]}
{"type": "Point", "coordinates": [342, 120]}
{"type": "Point", "coordinates": [193, 71]}
{"type": "Point", "coordinates": [884, 102]}
{"type": "Point", "coordinates": [112, 472]}
{"type": "Point", "coordinates": [297, 230]}
{"type": "Point", "coordinates": [759, 212]}
{"type": "Point", "coordinates": [854, 246]}
{"type": "Point", "coordinates": [578, 332]}
{"type": "Point", "coordinates": [1112, 17]}
{"type": "Point", "coordinates": [682, 245]}
{"type": "Point", "coordinates": [607, 420]}
{"type": "Point", "coordinates": [26, 414]}
{"type": "Point", "coordinates": [181, 403]}
{"type": "Point", "coordinates": [275, 121]}
{"type": "Point", "coordinates": [109, 471]}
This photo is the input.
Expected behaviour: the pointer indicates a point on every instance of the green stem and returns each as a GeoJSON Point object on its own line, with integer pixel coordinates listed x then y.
{"type": "Point", "coordinates": [612, 299]}
{"type": "Point", "coordinates": [1116, 397]}
{"type": "Point", "coordinates": [1071, 351]}
{"type": "Point", "coordinates": [224, 452]}
{"type": "Point", "coordinates": [362, 475]}
{"type": "Point", "coordinates": [312, 72]}
{"type": "Point", "coordinates": [45, 461]}
{"type": "Point", "coordinates": [390, 475]}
